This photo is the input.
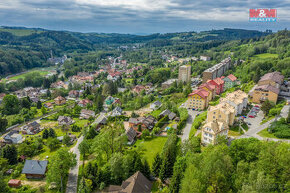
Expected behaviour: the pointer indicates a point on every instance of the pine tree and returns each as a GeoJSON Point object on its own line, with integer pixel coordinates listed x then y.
{"type": "Point", "coordinates": [51, 133]}
{"type": "Point", "coordinates": [39, 105]}
{"type": "Point", "coordinates": [146, 169]}
{"type": "Point", "coordinates": [138, 164]}
{"type": "Point", "coordinates": [156, 165]}
{"type": "Point", "coordinates": [45, 134]}
{"type": "Point", "coordinates": [10, 153]}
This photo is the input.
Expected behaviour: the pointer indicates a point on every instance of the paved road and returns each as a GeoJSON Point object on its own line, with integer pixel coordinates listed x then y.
{"type": "Point", "coordinates": [191, 116]}
{"type": "Point", "coordinates": [255, 128]}
{"type": "Point", "coordinates": [72, 181]}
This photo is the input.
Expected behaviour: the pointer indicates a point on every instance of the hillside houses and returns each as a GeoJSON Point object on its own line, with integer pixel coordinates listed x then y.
{"type": "Point", "coordinates": [144, 122]}
{"type": "Point", "coordinates": [59, 100]}
{"type": "Point", "coordinates": [13, 137]}
{"type": "Point", "coordinates": [86, 114]}
{"type": "Point", "coordinates": [85, 102]}
{"type": "Point", "coordinates": [31, 128]}
{"type": "Point", "coordinates": [64, 120]}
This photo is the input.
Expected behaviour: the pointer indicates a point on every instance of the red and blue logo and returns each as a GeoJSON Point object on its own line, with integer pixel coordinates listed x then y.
{"type": "Point", "coordinates": [263, 15]}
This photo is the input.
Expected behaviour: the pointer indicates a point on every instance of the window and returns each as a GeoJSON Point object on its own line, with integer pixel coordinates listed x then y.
{"type": "Point", "coordinates": [213, 117]}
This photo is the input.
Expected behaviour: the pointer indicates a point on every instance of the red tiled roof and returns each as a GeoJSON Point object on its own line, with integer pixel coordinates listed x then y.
{"type": "Point", "coordinates": [219, 81]}
{"type": "Point", "coordinates": [201, 92]}
{"type": "Point", "coordinates": [207, 85]}
{"type": "Point", "coordinates": [232, 77]}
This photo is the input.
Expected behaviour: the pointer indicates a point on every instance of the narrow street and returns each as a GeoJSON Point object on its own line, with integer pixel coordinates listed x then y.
{"type": "Point", "coordinates": [72, 181]}
{"type": "Point", "coordinates": [186, 131]}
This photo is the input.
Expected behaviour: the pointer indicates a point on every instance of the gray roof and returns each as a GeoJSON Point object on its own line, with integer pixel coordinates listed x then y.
{"type": "Point", "coordinates": [118, 109]}
{"type": "Point", "coordinates": [157, 103]}
{"type": "Point", "coordinates": [101, 120]}
{"type": "Point", "coordinates": [34, 167]}
{"type": "Point", "coordinates": [131, 134]}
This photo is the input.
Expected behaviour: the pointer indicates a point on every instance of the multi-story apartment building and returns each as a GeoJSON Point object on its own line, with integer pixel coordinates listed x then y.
{"type": "Point", "coordinates": [218, 83]}
{"type": "Point", "coordinates": [230, 81]}
{"type": "Point", "coordinates": [210, 88]}
{"type": "Point", "coordinates": [237, 99]}
{"type": "Point", "coordinates": [184, 73]}
{"type": "Point", "coordinates": [222, 112]}
{"type": "Point", "coordinates": [211, 130]}
{"type": "Point", "coordinates": [268, 88]}
{"type": "Point", "coordinates": [198, 100]}
{"type": "Point", "coordinates": [217, 70]}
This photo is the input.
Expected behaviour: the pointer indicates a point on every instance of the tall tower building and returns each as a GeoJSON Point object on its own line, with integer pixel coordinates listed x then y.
{"type": "Point", "coordinates": [184, 73]}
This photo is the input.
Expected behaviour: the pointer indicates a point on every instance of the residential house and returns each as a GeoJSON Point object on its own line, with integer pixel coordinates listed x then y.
{"type": "Point", "coordinates": [222, 112]}
{"type": "Point", "coordinates": [31, 128]}
{"type": "Point", "coordinates": [85, 102]}
{"type": "Point", "coordinates": [131, 134]}
{"type": "Point", "coordinates": [144, 122]}
{"type": "Point", "coordinates": [137, 183]}
{"type": "Point", "coordinates": [48, 105]}
{"type": "Point", "coordinates": [167, 112]}
{"type": "Point", "coordinates": [211, 130]}
{"type": "Point", "coordinates": [86, 114]}
{"type": "Point", "coordinates": [59, 100]}
{"type": "Point", "coordinates": [168, 83]}
{"type": "Point", "coordinates": [205, 58]}
{"type": "Point", "coordinates": [64, 120]}
{"type": "Point", "coordinates": [230, 81]}
{"type": "Point", "coordinates": [219, 84]}
{"type": "Point", "coordinates": [117, 112]}
{"type": "Point", "coordinates": [59, 84]}
{"type": "Point", "coordinates": [14, 183]}
{"type": "Point", "coordinates": [13, 137]}
{"type": "Point", "coordinates": [100, 121]}
{"type": "Point", "coordinates": [34, 169]}
{"type": "Point", "coordinates": [237, 99]}
{"type": "Point", "coordinates": [198, 100]}
{"type": "Point", "coordinates": [138, 88]}
{"type": "Point", "coordinates": [210, 89]}
{"type": "Point", "coordinates": [155, 105]}
{"type": "Point", "coordinates": [265, 92]}
{"type": "Point", "coordinates": [74, 94]}
{"type": "Point", "coordinates": [114, 75]}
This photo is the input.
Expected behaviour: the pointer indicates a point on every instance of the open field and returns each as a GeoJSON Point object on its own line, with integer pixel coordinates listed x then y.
{"type": "Point", "coordinates": [41, 71]}
{"type": "Point", "coordinates": [20, 32]}
{"type": "Point", "coordinates": [150, 147]}
{"type": "Point", "coordinates": [266, 55]}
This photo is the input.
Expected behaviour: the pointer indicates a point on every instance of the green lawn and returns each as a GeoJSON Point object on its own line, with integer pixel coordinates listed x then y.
{"type": "Point", "coordinates": [266, 55]}
{"type": "Point", "coordinates": [150, 147]}
{"type": "Point", "coordinates": [266, 134]}
{"type": "Point", "coordinates": [42, 73]}
{"type": "Point", "coordinates": [156, 113]}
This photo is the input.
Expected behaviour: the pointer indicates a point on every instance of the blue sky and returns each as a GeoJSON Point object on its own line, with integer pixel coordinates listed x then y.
{"type": "Point", "coordinates": [139, 16]}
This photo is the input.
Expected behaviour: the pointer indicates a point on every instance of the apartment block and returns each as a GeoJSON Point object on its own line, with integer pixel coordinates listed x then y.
{"type": "Point", "coordinates": [184, 73]}
{"type": "Point", "coordinates": [198, 100]}
{"type": "Point", "coordinates": [237, 99]}
{"type": "Point", "coordinates": [217, 70]}
{"type": "Point", "coordinates": [222, 112]}
{"type": "Point", "coordinates": [211, 130]}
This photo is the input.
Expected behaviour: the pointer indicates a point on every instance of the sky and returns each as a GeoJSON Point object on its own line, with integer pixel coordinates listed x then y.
{"type": "Point", "coordinates": [140, 16]}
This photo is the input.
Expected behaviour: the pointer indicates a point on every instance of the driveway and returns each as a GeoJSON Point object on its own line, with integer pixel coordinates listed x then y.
{"type": "Point", "coordinates": [191, 116]}
{"type": "Point", "coordinates": [72, 181]}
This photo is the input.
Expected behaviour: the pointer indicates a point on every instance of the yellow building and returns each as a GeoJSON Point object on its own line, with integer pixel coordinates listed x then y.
{"type": "Point", "coordinates": [237, 99]}
{"type": "Point", "coordinates": [210, 88]}
{"type": "Point", "coordinates": [211, 130]}
{"type": "Point", "coordinates": [222, 112]}
{"type": "Point", "coordinates": [265, 92]}
{"type": "Point", "coordinates": [198, 100]}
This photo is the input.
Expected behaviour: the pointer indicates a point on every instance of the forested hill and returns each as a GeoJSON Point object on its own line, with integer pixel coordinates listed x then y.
{"type": "Point", "coordinates": [25, 48]}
